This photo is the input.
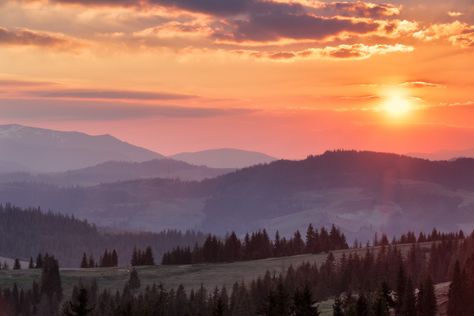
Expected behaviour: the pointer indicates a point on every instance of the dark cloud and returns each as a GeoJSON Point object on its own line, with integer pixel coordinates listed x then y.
{"type": "Point", "coordinates": [213, 7]}
{"type": "Point", "coordinates": [108, 94]}
{"type": "Point", "coordinates": [296, 26]}
{"type": "Point", "coordinates": [102, 111]}
{"type": "Point", "coordinates": [359, 9]}
{"type": "Point", "coordinates": [28, 37]}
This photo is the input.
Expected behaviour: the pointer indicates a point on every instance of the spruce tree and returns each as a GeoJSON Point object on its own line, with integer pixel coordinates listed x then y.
{"type": "Point", "coordinates": [16, 264]}
{"type": "Point", "coordinates": [362, 305]}
{"type": "Point", "coordinates": [84, 263]}
{"type": "Point", "coordinates": [457, 293]}
{"type": "Point", "coordinates": [81, 306]}
{"type": "Point", "coordinates": [337, 307]}
{"type": "Point", "coordinates": [428, 299]}
{"type": "Point", "coordinates": [303, 303]}
{"type": "Point", "coordinates": [134, 281]}
{"type": "Point", "coordinates": [31, 264]}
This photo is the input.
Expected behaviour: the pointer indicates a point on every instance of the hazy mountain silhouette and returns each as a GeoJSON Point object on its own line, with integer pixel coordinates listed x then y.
{"type": "Point", "coordinates": [113, 171]}
{"type": "Point", "coordinates": [224, 158]}
{"type": "Point", "coordinates": [43, 150]}
{"type": "Point", "coordinates": [359, 191]}
{"type": "Point", "coordinates": [446, 154]}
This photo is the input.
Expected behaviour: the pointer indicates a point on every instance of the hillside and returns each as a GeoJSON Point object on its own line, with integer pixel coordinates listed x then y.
{"type": "Point", "coordinates": [41, 150]}
{"type": "Point", "coordinates": [193, 276]}
{"type": "Point", "coordinates": [190, 276]}
{"type": "Point", "coordinates": [113, 171]}
{"type": "Point", "coordinates": [361, 192]}
{"type": "Point", "coordinates": [224, 158]}
{"type": "Point", "coordinates": [27, 232]}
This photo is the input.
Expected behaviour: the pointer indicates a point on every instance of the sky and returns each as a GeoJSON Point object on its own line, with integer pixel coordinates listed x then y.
{"type": "Point", "coordinates": [288, 78]}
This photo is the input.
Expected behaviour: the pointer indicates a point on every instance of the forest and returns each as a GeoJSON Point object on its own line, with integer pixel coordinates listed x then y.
{"type": "Point", "coordinates": [379, 280]}
{"type": "Point", "coordinates": [28, 232]}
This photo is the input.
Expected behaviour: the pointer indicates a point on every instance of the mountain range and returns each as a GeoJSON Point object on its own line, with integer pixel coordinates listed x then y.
{"type": "Point", "coordinates": [446, 154]}
{"type": "Point", "coordinates": [41, 150]}
{"type": "Point", "coordinates": [361, 192]}
{"type": "Point", "coordinates": [114, 171]}
{"type": "Point", "coordinates": [31, 153]}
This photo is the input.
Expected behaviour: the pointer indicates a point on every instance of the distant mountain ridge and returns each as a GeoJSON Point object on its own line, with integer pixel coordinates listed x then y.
{"type": "Point", "coordinates": [361, 192]}
{"type": "Point", "coordinates": [114, 171]}
{"type": "Point", "coordinates": [43, 150]}
{"type": "Point", "coordinates": [446, 154]}
{"type": "Point", "coordinates": [224, 158]}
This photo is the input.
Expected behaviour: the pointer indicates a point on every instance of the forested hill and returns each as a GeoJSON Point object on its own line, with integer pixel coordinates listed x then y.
{"type": "Point", "coordinates": [24, 233]}
{"type": "Point", "coordinates": [361, 192]}
{"type": "Point", "coordinates": [114, 171]}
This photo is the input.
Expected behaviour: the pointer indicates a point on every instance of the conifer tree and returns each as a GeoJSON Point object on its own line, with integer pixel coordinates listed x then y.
{"type": "Point", "coordinates": [457, 293]}
{"type": "Point", "coordinates": [84, 262]}
{"type": "Point", "coordinates": [134, 281]}
{"type": "Point", "coordinates": [337, 307]}
{"type": "Point", "coordinates": [31, 264]}
{"type": "Point", "coordinates": [16, 264]}
{"type": "Point", "coordinates": [80, 307]}
{"type": "Point", "coordinates": [303, 303]}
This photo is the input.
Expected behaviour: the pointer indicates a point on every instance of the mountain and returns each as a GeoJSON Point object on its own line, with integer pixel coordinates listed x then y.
{"type": "Point", "coordinates": [224, 158]}
{"type": "Point", "coordinates": [43, 150]}
{"type": "Point", "coordinates": [446, 154]}
{"type": "Point", "coordinates": [113, 171]}
{"type": "Point", "coordinates": [361, 192]}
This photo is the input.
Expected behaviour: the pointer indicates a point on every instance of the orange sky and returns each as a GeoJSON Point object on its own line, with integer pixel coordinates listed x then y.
{"type": "Point", "coordinates": [288, 78]}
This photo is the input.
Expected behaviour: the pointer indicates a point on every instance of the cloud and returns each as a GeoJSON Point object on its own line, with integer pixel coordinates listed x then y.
{"type": "Point", "coordinates": [26, 37]}
{"type": "Point", "coordinates": [343, 51]}
{"type": "Point", "coordinates": [275, 26]}
{"type": "Point", "coordinates": [13, 109]}
{"type": "Point", "coordinates": [359, 9]}
{"type": "Point", "coordinates": [420, 84]}
{"type": "Point", "coordinates": [454, 14]}
{"type": "Point", "coordinates": [107, 94]}
{"type": "Point", "coordinates": [22, 83]}
{"type": "Point", "coordinates": [176, 29]}
{"type": "Point", "coordinates": [457, 33]}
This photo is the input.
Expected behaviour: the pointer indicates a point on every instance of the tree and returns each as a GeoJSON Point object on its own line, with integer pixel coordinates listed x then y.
{"type": "Point", "coordinates": [408, 307]}
{"type": "Point", "coordinates": [304, 304]}
{"type": "Point", "coordinates": [401, 285]}
{"type": "Point", "coordinates": [31, 264]}
{"type": "Point", "coordinates": [426, 302]}
{"type": "Point", "coordinates": [50, 278]}
{"type": "Point", "coordinates": [17, 265]}
{"type": "Point", "coordinates": [134, 281]}
{"type": "Point", "coordinates": [380, 306]}
{"type": "Point", "coordinates": [39, 261]}
{"type": "Point", "coordinates": [80, 307]}
{"type": "Point", "coordinates": [457, 293]}
{"type": "Point", "coordinates": [362, 305]}
{"type": "Point", "coordinates": [84, 263]}
{"type": "Point", "coordinates": [337, 307]}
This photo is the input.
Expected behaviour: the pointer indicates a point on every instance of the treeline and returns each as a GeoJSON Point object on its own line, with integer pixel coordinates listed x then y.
{"type": "Point", "coordinates": [257, 245]}
{"type": "Point", "coordinates": [412, 238]}
{"type": "Point", "coordinates": [27, 232]}
{"type": "Point", "coordinates": [108, 259]}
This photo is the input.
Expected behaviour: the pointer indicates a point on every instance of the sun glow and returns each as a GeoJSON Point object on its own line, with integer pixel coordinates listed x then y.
{"type": "Point", "coordinates": [396, 103]}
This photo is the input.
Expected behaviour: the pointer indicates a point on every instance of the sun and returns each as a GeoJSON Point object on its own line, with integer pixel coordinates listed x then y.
{"type": "Point", "coordinates": [396, 103]}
